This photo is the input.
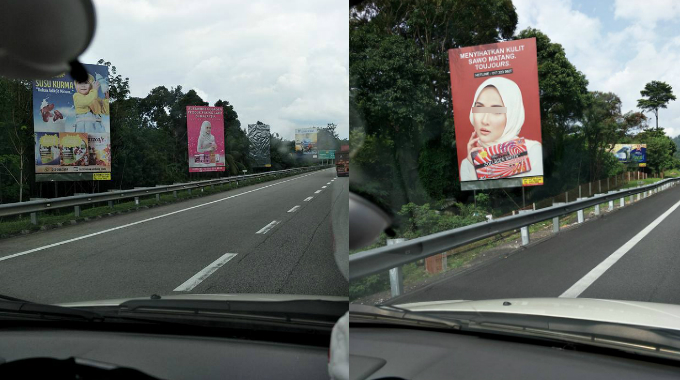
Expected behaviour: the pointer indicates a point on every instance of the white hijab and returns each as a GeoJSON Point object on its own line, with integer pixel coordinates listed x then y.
{"type": "Point", "coordinates": [512, 99]}
{"type": "Point", "coordinates": [205, 138]}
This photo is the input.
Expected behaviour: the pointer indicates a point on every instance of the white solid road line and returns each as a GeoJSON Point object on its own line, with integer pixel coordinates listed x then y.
{"type": "Point", "coordinates": [142, 221]}
{"type": "Point", "coordinates": [268, 227]}
{"type": "Point", "coordinates": [599, 270]}
{"type": "Point", "coordinates": [294, 209]}
{"type": "Point", "coordinates": [328, 183]}
{"type": "Point", "coordinates": [191, 283]}
{"type": "Point", "coordinates": [308, 199]}
{"type": "Point", "coordinates": [323, 187]}
{"type": "Point", "coordinates": [317, 192]}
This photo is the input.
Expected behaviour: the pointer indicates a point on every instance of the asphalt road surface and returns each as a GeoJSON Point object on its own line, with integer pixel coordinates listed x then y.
{"type": "Point", "coordinates": [279, 237]}
{"type": "Point", "coordinates": [630, 254]}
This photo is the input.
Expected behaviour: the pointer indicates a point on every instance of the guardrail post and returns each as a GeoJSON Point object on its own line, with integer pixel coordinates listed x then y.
{"type": "Point", "coordinates": [189, 191]}
{"type": "Point", "coordinates": [34, 218]}
{"type": "Point", "coordinates": [622, 202]}
{"type": "Point", "coordinates": [630, 199]}
{"type": "Point", "coordinates": [396, 274]}
{"type": "Point", "coordinates": [524, 230]}
{"type": "Point", "coordinates": [556, 224]}
{"type": "Point", "coordinates": [597, 209]}
{"type": "Point", "coordinates": [174, 193]}
{"type": "Point", "coordinates": [76, 210]}
{"type": "Point", "coordinates": [110, 204]}
{"type": "Point", "coordinates": [158, 197]}
{"type": "Point", "coordinates": [638, 196]}
{"type": "Point", "coordinates": [611, 205]}
{"type": "Point", "coordinates": [525, 235]}
{"type": "Point", "coordinates": [136, 201]}
{"type": "Point", "coordinates": [579, 214]}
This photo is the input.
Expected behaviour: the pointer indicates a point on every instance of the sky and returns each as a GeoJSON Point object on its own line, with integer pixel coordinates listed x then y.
{"type": "Point", "coordinates": [282, 63]}
{"type": "Point", "coordinates": [619, 45]}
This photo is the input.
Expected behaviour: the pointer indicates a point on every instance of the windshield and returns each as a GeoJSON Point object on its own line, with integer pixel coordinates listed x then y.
{"type": "Point", "coordinates": [197, 156]}
{"type": "Point", "coordinates": [523, 149]}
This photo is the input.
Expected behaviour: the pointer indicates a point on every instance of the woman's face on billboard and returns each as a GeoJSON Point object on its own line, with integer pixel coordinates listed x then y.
{"type": "Point", "coordinates": [489, 126]}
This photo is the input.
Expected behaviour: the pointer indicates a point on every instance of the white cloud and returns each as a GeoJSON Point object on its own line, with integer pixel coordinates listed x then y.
{"type": "Point", "coordinates": [285, 64]}
{"type": "Point", "coordinates": [647, 11]}
{"type": "Point", "coordinates": [619, 61]}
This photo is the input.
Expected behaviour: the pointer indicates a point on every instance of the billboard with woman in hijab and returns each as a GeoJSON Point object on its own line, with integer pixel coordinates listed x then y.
{"type": "Point", "coordinates": [496, 112]}
{"type": "Point", "coordinates": [205, 131]}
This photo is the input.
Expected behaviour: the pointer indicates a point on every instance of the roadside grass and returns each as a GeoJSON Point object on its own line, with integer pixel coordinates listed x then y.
{"type": "Point", "coordinates": [14, 225]}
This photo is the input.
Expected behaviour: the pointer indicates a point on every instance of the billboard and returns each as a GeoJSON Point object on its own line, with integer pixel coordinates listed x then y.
{"type": "Point", "coordinates": [496, 114]}
{"type": "Point", "coordinates": [630, 153]}
{"type": "Point", "coordinates": [205, 132]}
{"type": "Point", "coordinates": [306, 141]}
{"type": "Point", "coordinates": [71, 122]}
{"type": "Point", "coordinates": [259, 137]}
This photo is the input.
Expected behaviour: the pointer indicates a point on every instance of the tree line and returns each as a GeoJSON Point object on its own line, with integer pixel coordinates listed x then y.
{"type": "Point", "coordinates": [148, 140]}
{"type": "Point", "coordinates": [401, 116]}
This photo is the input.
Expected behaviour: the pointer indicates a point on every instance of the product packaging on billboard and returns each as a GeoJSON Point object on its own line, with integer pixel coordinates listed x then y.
{"type": "Point", "coordinates": [496, 112]}
{"type": "Point", "coordinates": [502, 160]}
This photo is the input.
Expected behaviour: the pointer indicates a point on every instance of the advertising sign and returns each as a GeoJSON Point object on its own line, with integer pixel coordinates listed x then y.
{"type": "Point", "coordinates": [635, 153]}
{"type": "Point", "coordinates": [71, 122]}
{"type": "Point", "coordinates": [496, 113]}
{"type": "Point", "coordinates": [205, 132]}
{"type": "Point", "coordinates": [532, 181]}
{"type": "Point", "coordinates": [259, 136]}
{"type": "Point", "coordinates": [306, 140]}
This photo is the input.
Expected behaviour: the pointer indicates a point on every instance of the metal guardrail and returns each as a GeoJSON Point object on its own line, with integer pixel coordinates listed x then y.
{"type": "Point", "coordinates": [76, 201]}
{"type": "Point", "coordinates": [393, 256]}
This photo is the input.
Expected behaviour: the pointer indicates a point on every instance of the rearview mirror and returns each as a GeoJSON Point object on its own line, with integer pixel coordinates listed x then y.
{"type": "Point", "coordinates": [42, 38]}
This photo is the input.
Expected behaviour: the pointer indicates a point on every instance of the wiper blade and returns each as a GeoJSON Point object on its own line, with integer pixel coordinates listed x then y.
{"type": "Point", "coordinates": [651, 348]}
{"type": "Point", "coordinates": [23, 309]}
{"type": "Point", "coordinates": [305, 311]}
{"type": "Point", "coordinates": [397, 315]}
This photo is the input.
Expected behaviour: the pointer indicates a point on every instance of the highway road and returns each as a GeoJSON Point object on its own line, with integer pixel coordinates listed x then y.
{"type": "Point", "coordinates": [287, 236]}
{"type": "Point", "coordinates": [631, 254]}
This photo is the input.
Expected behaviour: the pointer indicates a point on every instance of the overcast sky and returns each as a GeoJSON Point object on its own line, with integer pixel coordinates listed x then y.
{"type": "Point", "coordinates": [283, 63]}
{"type": "Point", "coordinates": [619, 45]}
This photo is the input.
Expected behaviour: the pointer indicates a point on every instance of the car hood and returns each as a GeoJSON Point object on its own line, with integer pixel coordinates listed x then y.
{"type": "Point", "coordinates": [636, 313]}
{"type": "Point", "coordinates": [211, 297]}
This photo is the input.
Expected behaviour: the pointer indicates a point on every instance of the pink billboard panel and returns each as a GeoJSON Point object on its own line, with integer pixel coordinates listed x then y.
{"type": "Point", "coordinates": [205, 130]}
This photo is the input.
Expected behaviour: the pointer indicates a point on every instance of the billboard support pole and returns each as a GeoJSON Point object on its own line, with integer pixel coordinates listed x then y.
{"type": "Point", "coordinates": [474, 197]}
{"type": "Point", "coordinates": [524, 201]}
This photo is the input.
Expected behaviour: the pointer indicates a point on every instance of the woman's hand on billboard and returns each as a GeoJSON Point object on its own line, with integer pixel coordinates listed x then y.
{"type": "Point", "coordinates": [471, 146]}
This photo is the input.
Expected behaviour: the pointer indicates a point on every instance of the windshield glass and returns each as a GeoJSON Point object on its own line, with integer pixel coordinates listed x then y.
{"type": "Point", "coordinates": [197, 156]}
{"type": "Point", "coordinates": [522, 148]}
